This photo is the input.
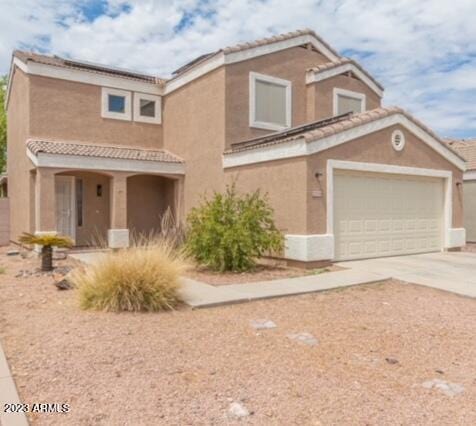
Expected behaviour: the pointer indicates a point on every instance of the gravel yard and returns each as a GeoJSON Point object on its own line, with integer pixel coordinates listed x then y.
{"type": "Point", "coordinates": [383, 354]}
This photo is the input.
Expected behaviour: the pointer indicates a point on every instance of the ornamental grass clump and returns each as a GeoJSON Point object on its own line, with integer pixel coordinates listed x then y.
{"type": "Point", "coordinates": [231, 231]}
{"type": "Point", "coordinates": [47, 242]}
{"type": "Point", "coordinates": [145, 277]}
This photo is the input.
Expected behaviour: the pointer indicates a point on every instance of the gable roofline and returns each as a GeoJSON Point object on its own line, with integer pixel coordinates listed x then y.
{"type": "Point", "coordinates": [246, 51]}
{"type": "Point", "coordinates": [90, 73]}
{"type": "Point", "coordinates": [344, 65]}
{"type": "Point", "coordinates": [345, 130]}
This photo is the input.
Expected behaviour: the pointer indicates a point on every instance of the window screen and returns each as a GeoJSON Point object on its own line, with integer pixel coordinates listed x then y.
{"type": "Point", "coordinates": [147, 108]}
{"type": "Point", "coordinates": [270, 101]}
{"type": "Point", "coordinates": [347, 104]}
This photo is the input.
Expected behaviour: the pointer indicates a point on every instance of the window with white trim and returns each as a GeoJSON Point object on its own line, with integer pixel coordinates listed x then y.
{"type": "Point", "coordinates": [147, 108]}
{"type": "Point", "coordinates": [270, 102]}
{"type": "Point", "coordinates": [116, 104]}
{"type": "Point", "coordinates": [346, 101]}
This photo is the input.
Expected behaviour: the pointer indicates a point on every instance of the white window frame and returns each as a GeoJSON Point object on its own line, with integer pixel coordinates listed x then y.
{"type": "Point", "coordinates": [105, 113]}
{"type": "Point", "coordinates": [254, 77]}
{"type": "Point", "coordinates": [349, 94]}
{"type": "Point", "coordinates": [158, 108]}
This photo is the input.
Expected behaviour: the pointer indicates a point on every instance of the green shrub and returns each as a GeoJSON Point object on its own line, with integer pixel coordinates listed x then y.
{"type": "Point", "coordinates": [140, 278]}
{"type": "Point", "coordinates": [228, 232]}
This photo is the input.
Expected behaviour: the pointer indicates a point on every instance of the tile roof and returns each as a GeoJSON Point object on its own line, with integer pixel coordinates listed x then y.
{"type": "Point", "coordinates": [276, 38]}
{"type": "Point", "coordinates": [467, 149]}
{"type": "Point", "coordinates": [329, 127]}
{"type": "Point", "coordinates": [85, 66]}
{"type": "Point", "coordinates": [252, 44]}
{"type": "Point", "coordinates": [344, 61]}
{"type": "Point", "coordinates": [103, 151]}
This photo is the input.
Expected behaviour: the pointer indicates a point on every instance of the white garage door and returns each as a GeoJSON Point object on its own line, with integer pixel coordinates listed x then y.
{"type": "Point", "coordinates": [379, 215]}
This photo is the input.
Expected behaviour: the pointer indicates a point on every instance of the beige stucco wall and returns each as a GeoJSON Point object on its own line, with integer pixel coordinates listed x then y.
{"type": "Point", "coordinates": [285, 183]}
{"type": "Point", "coordinates": [194, 128]}
{"type": "Point", "coordinates": [71, 111]}
{"type": "Point", "coordinates": [21, 183]}
{"type": "Point", "coordinates": [290, 64]}
{"type": "Point", "coordinates": [147, 199]}
{"type": "Point", "coordinates": [469, 190]}
{"type": "Point", "coordinates": [320, 95]}
{"type": "Point", "coordinates": [376, 148]}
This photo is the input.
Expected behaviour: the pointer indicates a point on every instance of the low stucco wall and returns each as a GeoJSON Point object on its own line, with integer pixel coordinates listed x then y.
{"type": "Point", "coordinates": [469, 190]}
{"type": "Point", "coordinates": [4, 221]}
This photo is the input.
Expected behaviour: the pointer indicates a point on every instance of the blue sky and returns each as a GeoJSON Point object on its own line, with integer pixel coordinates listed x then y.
{"type": "Point", "coordinates": [422, 51]}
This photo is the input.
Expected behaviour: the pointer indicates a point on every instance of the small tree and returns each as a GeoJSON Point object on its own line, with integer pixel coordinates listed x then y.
{"type": "Point", "coordinates": [47, 242]}
{"type": "Point", "coordinates": [3, 124]}
{"type": "Point", "coordinates": [229, 232]}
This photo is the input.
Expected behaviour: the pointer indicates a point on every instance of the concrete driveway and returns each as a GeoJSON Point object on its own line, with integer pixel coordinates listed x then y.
{"type": "Point", "coordinates": [450, 271]}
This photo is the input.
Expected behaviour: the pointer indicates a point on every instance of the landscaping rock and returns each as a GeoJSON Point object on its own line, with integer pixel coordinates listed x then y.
{"type": "Point", "coordinates": [13, 253]}
{"type": "Point", "coordinates": [449, 389]}
{"type": "Point", "coordinates": [306, 338]}
{"type": "Point", "coordinates": [262, 324]}
{"type": "Point", "coordinates": [391, 360]}
{"type": "Point", "coordinates": [63, 284]}
{"type": "Point", "coordinates": [237, 410]}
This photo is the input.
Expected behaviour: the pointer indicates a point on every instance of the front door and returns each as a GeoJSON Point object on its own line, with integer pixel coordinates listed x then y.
{"type": "Point", "coordinates": [64, 187]}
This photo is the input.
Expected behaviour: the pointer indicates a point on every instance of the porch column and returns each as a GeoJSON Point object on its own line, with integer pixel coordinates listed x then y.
{"type": "Point", "coordinates": [45, 204]}
{"type": "Point", "coordinates": [179, 186]}
{"type": "Point", "coordinates": [118, 234]}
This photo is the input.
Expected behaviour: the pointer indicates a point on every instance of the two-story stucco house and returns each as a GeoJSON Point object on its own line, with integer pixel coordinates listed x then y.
{"type": "Point", "coordinates": [93, 149]}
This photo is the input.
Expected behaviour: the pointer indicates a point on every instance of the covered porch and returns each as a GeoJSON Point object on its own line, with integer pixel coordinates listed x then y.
{"type": "Point", "coordinates": [103, 195]}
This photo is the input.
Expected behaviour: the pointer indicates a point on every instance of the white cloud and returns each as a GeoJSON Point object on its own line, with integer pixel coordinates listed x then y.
{"type": "Point", "coordinates": [423, 51]}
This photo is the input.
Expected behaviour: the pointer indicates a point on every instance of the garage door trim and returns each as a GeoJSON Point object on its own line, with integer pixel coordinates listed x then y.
{"type": "Point", "coordinates": [396, 170]}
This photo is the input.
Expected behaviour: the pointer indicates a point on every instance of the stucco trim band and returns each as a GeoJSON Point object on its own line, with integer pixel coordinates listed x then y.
{"type": "Point", "coordinates": [118, 238]}
{"type": "Point", "coordinates": [469, 175]}
{"type": "Point", "coordinates": [105, 164]}
{"type": "Point", "coordinates": [456, 237]}
{"type": "Point", "coordinates": [308, 248]}
{"type": "Point", "coordinates": [300, 147]}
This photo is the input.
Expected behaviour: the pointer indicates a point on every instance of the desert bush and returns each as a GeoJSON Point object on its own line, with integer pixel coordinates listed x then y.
{"type": "Point", "coordinates": [230, 231]}
{"type": "Point", "coordinates": [144, 277]}
{"type": "Point", "coordinates": [47, 242]}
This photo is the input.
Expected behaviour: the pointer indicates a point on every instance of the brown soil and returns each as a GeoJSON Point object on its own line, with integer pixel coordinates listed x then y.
{"type": "Point", "coordinates": [260, 273]}
{"type": "Point", "coordinates": [186, 367]}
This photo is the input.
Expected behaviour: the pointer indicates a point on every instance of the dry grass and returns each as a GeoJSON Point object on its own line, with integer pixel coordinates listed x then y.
{"type": "Point", "coordinates": [144, 277]}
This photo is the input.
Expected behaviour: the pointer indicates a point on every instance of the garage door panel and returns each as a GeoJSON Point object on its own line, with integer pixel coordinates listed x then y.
{"type": "Point", "coordinates": [386, 215]}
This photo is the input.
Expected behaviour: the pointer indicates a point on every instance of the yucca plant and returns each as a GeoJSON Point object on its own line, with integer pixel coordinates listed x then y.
{"type": "Point", "coordinates": [47, 242]}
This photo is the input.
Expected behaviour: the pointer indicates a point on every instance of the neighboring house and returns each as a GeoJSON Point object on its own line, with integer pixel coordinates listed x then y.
{"type": "Point", "coordinates": [93, 149]}
{"type": "Point", "coordinates": [467, 149]}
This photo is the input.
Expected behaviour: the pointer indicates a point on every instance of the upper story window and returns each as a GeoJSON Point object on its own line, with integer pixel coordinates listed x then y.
{"type": "Point", "coordinates": [147, 108]}
{"type": "Point", "coordinates": [116, 104]}
{"type": "Point", "coordinates": [270, 102]}
{"type": "Point", "coordinates": [347, 101]}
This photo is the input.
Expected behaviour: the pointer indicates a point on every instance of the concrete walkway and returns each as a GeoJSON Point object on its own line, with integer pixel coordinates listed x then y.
{"type": "Point", "coordinates": [9, 395]}
{"type": "Point", "coordinates": [450, 271]}
{"type": "Point", "coordinates": [201, 295]}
